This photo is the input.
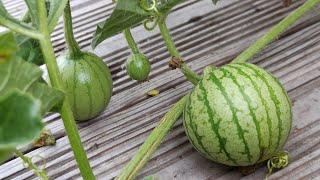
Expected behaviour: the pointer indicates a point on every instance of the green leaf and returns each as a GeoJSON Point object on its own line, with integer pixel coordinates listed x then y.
{"type": "Point", "coordinates": [16, 73]}
{"type": "Point", "coordinates": [48, 96]}
{"type": "Point", "coordinates": [7, 45]}
{"type": "Point", "coordinates": [126, 14]}
{"type": "Point", "coordinates": [20, 120]}
{"type": "Point", "coordinates": [55, 11]}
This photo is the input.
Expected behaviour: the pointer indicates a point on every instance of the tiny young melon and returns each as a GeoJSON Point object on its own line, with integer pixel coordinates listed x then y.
{"type": "Point", "coordinates": [138, 67]}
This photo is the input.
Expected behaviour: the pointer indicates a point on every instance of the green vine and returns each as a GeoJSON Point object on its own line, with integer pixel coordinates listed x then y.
{"type": "Point", "coordinates": [132, 44]}
{"type": "Point", "coordinates": [275, 32]}
{"type": "Point", "coordinates": [153, 141]}
{"type": "Point", "coordinates": [74, 49]}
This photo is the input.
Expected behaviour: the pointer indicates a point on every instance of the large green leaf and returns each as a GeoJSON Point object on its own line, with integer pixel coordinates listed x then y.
{"type": "Point", "coordinates": [127, 13]}
{"type": "Point", "coordinates": [18, 74]}
{"type": "Point", "coordinates": [20, 119]}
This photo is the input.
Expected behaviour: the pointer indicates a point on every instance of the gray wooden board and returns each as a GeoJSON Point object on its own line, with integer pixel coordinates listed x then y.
{"type": "Point", "coordinates": [205, 34]}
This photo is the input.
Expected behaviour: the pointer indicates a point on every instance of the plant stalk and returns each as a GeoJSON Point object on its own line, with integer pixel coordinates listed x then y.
{"type": "Point", "coordinates": [153, 141]}
{"type": "Point", "coordinates": [191, 76]}
{"type": "Point", "coordinates": [66, 112]}
{"type": "Point", "coordinates": [132, 44]}
{"type": "Point", "coordinates": [275, 31]}
{"type": "Point", "coordinates": [73, 46]}
{"type": "Point", "coordinates": [40, 173]}
{"type": "Point", "coordinates": [155, 138]}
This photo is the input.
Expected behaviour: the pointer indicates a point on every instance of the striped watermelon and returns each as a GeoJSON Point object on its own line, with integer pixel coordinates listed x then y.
{"type": "Point", "coordinates": [88, 84]}
{"type": "Point", "coordinates": [238, 115]}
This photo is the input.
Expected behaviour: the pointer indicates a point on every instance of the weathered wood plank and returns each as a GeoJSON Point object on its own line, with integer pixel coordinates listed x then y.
{"type": "Point", "coordinates": [205, 35]}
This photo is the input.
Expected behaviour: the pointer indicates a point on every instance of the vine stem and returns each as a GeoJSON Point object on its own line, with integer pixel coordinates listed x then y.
{"type": "Point", "coordinates": [191, 76]}
{"type": "Point", "coordinates": [153, 141]}
{"type": "Point", "coordinates": [132, 44]}
{"type": "Point", "coordinates": [40, 173]}
{"type": "Point", "coordinates": [66, 112]}
{"type": "Point", "coordinates": [73, 46]}
{"type": "Point", "coordinates": [157, 135]}
{"type": "Point", "coordinates": [275, 31]}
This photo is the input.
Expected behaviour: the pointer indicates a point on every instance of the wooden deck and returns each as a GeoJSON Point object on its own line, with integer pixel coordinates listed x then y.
{"type": "Point", "coordinates": [205, 34]}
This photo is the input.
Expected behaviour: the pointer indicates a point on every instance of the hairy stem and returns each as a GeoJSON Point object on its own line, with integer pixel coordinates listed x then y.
{"type": "Point", "coordinates": [275, 31]}
{"type": "Point", "coordinates": [132, 44]}
{"type": "Point", "coordinates": [74, 49]}
{"type": "Point", "coordinates": [189, 73]}
{"type": "Point", "coordinates": [40, 173]}
{"type": "Point", "coordinates": [66, 112]}
{"type": "Point", "coordinates": [153, 141]}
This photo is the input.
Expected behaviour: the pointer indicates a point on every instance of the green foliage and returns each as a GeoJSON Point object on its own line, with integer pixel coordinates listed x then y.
{"type": "Point", "coordinates": [24, 100]}
{"type": "Point", "coordinates": [20, 119]}
{"type": "Point", "coordinates": [29, 49]}
{"type": "Point", "coordinates": [128, 13]}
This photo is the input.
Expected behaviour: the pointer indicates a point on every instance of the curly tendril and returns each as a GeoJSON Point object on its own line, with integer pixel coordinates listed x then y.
{"type": "Point", "coordinates": [152, 21]}
{"type": "Point", "coordinates": [279, 161]}
{"type": "Point", "coordinates": [147, 6]}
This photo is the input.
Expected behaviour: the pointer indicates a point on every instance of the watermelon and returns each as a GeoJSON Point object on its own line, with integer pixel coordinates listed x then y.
{"type": "Point", "coordinates": [138, 67]}
{"type": "Point", "coordinates": [238, 115]}
{"type": "Point", "coordinates": [87, 82]}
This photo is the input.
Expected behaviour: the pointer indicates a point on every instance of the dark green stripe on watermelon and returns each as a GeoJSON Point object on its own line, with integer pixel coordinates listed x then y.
{"type": "Point", "coordinates": [244, 74]}
{"type": "Point", "coordinates": [240, 132]}
{"type": "Point", "coordinates": [215, 126]}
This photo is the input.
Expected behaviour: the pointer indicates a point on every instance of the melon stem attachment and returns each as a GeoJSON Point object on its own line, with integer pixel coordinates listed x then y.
{"type": "Point", "coordinates": [191, 76]}
{"type": "Point", "coordinates": [279, 161]}
{"type": "Point", "coordinates": [132, 44]}
{"type": "Point", "coordinates": [73, 46]}
{"type": "Point", "coordinates": [275, 31]}
{"type": "Point", "coordinates": [29, 164]}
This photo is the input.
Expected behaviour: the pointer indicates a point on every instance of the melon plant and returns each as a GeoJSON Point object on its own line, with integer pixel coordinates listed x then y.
{"type": "Point", "coordinates": [238, 115]}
